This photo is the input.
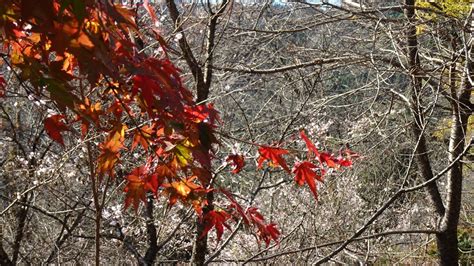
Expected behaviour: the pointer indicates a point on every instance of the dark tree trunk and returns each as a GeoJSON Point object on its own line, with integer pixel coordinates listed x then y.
{"type": "Point", "coordinates": [421, 156]}
{"type": "Point", "coordinates": [4, 259]}
{"type": "Point", "coordinates": [461, 109]}
{"type": "Point", "coordinates": [152, 240]}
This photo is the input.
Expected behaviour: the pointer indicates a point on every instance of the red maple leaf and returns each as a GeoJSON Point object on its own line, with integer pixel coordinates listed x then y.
{"type": "Point", "coordinates": [269, 233]}
{"type": "Point", "coordinates": [255, 216]}
{"type": "Point", "coordinates": [150, 11]}
{"type": "Point", "coordinates": [236, 161]}
{"type": "Point", "coordinates": [3, 85]}
{"type": "Point", "coordinates": [235, 205]}
{"type": "Point", "coordinates": [274, 155]}
{"type": "Point", "coordinates": [328, 159]}
{"type": "Point", "coordinates": [54, 125]}
{"type": "Point", "coordinates": [266, 232]}
{"type": "Point", "coordinates": [309, 144]}
{"type": "Point", "coordinates": [203, 174]}
{"type": "Point", "coordinates": [203, 113]}
{"type": "Point", "coordinates": [345, 157]}
{"type": "Point", "coordinates": [217, 219]}
{"type": "Point", "coordinates": [305, 173]}
{"type": "Point", "coordinates": [344, 161]}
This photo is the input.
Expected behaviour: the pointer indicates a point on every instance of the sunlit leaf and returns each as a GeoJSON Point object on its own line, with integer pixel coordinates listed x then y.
{"type": "Point", "coordinates": [274, 155]}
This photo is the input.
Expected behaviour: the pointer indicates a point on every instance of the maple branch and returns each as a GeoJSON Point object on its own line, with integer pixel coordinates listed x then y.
{"type": "Point", "coordinates": [13, 128]}
{"type": "Point", "coordinates": [296, 30]}
{"type": "Point", "coordinates": [211, 35]}
{"type": "Point", "coordinates": [292, 120]}
{"type": "Point", "coordinates": [21, 216]}
{"type": "Point", "coordinates": [315, 62]}
{"type": "Point", "coordinates": [61, 239]}
{"type": "Point", "coordinates": [188, 215]}
{"type": "Point", "coordinates": [422, 159]}
{"type": "Point", "coordinates": [202, 77]}
{"type": "Point", "coordinates": [184, 44]}
{"type": "Point", "coordinates": [395, 232]}
{"type": "Point", "coordinates": [276, 244]}
{"type": "Point", "coordinates": [247, 122]}
{"type": "Point", "coordinates": [218, 251]}
{"type": "Point", "coordinates": [95, 196]}
{"type": "Point", "coordinates": [122, 237]}
{"type": "Point", "coordinates": [444, 171]}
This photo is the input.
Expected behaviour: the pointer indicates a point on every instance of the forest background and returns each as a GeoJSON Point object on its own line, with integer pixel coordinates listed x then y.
{"type": "Point", "coordinates": [287, 132]}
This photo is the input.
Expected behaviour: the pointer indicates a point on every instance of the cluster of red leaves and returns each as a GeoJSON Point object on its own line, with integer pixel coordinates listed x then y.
{"type": "Point", "coordinates": [80, 55]}
{"type": "Point", "coordinates": [310, 170]}
{"type": "Point", "coordinates": [251, 217]}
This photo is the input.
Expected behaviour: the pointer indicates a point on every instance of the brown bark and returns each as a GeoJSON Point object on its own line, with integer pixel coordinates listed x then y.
{"type": "Point", "coordinates": [461, 110]}
{"type": "Point", "coordinates": [4, 258]}
{"type": "Point", "coordinates": [20, 230]}
{"type": "Point", "coordinates": [421, 156]}
{"type": "Point", "coordinates": [152, 240]}
{"type": "Point", "coordinates": [446, 239]}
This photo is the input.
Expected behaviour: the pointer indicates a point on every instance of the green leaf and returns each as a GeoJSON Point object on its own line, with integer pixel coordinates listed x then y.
{"type": "Point", "coordinates": [183, 154]}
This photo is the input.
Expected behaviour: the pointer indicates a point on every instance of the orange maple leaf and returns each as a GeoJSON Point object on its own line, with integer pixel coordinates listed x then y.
{"type": "Point", "coordinates": [142, 136]}
{"type": "Point", "coordinates": [274, 155]}
{"type": "Point", "coordinates": [110, 150]}
{"type": "Point", "coordinates": [139, 183]}
{"type": "Point", "coordinates": [88, 113]}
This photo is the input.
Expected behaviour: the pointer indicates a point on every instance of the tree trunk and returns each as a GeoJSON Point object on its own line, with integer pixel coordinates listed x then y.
{"type": "Point", "coordinates": [461, 110]}
{"type": "Point", "coordinates": [152, 240]}
{"type": "Point", "coordinates": [421, 153]}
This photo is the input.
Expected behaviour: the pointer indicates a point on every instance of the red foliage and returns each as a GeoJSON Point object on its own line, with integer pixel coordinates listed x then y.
{"type": "Point", "coordinates": [237, 161]}
{"type": "Point", "coordinates": [80, 55]}
{"type": "Point", "coordinates": [266, 232]}
{"type": "Point", "coordinates": [309, 144]}
{"type": "Point", "coordinates": [54, 125]}
{"type": "Point", "coordinates": [139, 182]}
{"type": "Point", "coordinates": [274, 155]}
{"type": "Point", "coordinates": [305, 172]}
{"type": "Point", "coordinates": [3, 85]}
{"type": "Point", "coordinates": [217, 219]}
